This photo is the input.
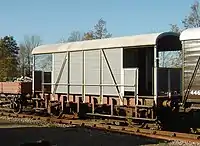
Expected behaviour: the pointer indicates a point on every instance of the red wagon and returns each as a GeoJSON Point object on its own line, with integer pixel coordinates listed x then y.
{"type": "Point", "coordinates": [14, 94]}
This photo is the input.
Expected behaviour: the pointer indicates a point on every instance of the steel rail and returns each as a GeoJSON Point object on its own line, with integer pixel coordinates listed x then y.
{"type": "Point", "coordinates": [97, 124]}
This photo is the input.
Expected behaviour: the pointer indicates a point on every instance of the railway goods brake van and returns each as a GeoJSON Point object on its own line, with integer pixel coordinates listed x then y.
{"type": "Point", "coordinates": [121, 76]}
{"type": "Point", "coordinates": [115, 78]}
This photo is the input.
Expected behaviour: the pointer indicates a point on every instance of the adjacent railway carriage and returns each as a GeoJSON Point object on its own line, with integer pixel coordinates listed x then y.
{"type": "Point", "coordinates": [191, 60]}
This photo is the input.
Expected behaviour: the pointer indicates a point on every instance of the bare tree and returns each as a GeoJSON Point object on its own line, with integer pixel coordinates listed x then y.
{"type": "Point", "coordinates": [75, 36]}
{"type": "Point", "coordinates": [190, 21]}
{"type": "Point", "coordinates": [62, 40]}
{"type": "Point", "coordinates": [88, 35]}
{"type": "Point", "coordinates": [30, 42]}
{"type": "Point", "coordinates": [100, 30]}
{"type": "Point", "coordinates": [193, 19]}
{"type": "Point", "coordinates": [175, 28]}
{"type": "Point", "coordinates": [22, 59]}
{"type": "Point", "coordinates": [44, 62]}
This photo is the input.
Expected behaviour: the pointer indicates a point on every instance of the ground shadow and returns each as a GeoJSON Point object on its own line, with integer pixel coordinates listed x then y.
{"type": "Point", "coordinates": [69, 137]}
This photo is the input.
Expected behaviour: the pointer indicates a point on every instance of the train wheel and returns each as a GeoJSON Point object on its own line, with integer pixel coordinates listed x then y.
{"type": "Point", "coordinates": [56, 111]}
{"type": "Point", "coordinates": [17, 106]}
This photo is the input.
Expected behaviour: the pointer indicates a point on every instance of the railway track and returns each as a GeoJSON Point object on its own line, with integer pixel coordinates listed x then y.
{"type": "Point", "coordinates": [100, 125]}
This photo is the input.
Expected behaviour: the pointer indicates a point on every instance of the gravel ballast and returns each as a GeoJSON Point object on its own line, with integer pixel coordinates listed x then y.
{"type": "Point", "coordinates": [15, 131]}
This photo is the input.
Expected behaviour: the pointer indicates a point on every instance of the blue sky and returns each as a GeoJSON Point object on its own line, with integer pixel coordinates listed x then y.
{"type": "Point", "coordinates": [54, 19]}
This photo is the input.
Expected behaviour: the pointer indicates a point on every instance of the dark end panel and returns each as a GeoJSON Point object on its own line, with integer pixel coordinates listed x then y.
{"type": "Point", "coordinates": [130, 58]}
{"type": "Point", "coordinates": [172, 76]}
{"type": "Point", "coordinates": [176, 79]}
{"type": "Point", "coordinates": [47, 79]}
{"type": "Point", "coordinates": [38, 81]}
